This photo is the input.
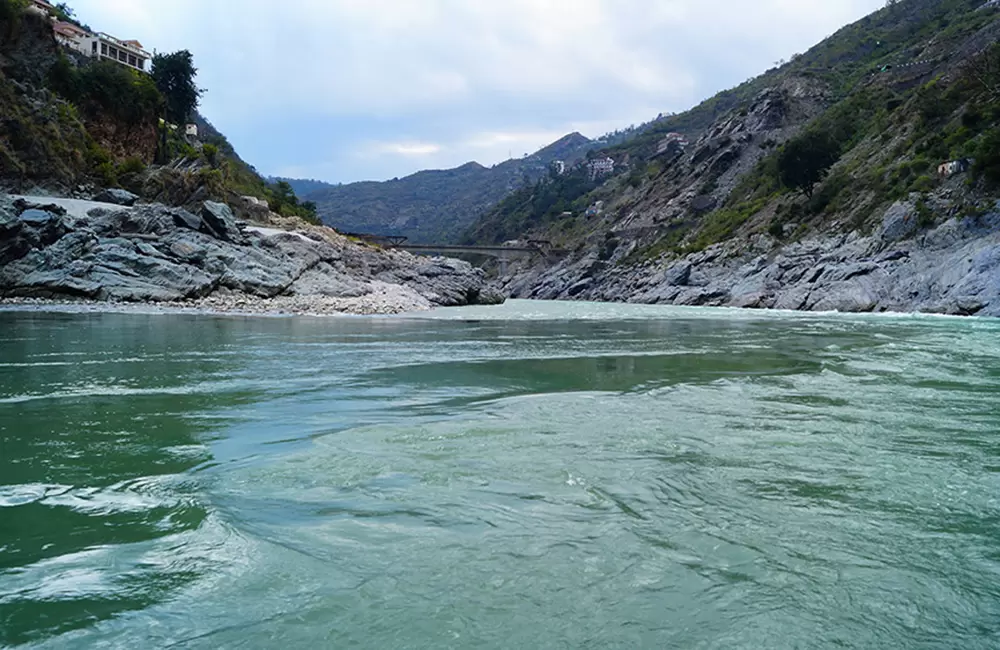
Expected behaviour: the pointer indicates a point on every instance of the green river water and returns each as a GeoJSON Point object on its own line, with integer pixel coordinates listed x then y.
{"type": "Point", "coordinates": [528, 476]}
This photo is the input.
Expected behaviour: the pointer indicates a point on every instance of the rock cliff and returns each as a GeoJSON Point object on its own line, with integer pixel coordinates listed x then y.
{"type": "Point", "coordinates": [953, 268]}
{"type": "Point", "coordinates": [863, 175]}
{"type": "Point", "coordinates": [70, 249]}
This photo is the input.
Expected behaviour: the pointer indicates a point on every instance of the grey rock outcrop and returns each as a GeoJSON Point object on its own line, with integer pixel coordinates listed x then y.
{"type": "Point", "coordinates": [219, 221]}
{"type": "Point", "coordinates": [116, 197]}
{"type": "Point", "coordinates": [159, 254]}
{"type": "Point", "coordinates": [953, 268]}
{"type": "Point", "coordinates": [899, 222]}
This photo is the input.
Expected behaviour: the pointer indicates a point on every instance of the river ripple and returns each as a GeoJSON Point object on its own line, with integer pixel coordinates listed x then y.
{"type": "Point", "coordinates": [534, 475]}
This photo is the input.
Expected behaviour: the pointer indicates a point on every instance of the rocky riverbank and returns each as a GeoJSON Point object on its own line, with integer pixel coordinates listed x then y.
{"type": "Point", "coordinates": [102, 253]}
{"type": "Point", "coordinates": [904, 266]}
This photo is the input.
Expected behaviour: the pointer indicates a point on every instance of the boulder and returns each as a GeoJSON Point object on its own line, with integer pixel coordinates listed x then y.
{"type": "Point", "coordinates": [184, 219]}
{"type": "Point", "coordinates": [117, 197]}
{"type": "Point", "coordinates": [678, 275]}
{"type": "Point", "coordinates": [899, 222]}
{"type": "Point", "coordinates": [220, 222]}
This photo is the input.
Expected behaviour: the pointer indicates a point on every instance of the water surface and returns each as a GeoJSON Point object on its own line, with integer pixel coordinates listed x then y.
{"type": "Point", "coordinates": [535, 475]}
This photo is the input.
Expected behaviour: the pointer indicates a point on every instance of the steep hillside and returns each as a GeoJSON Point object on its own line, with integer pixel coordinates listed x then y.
{"type": "Point", "coordinates": [304, 186]}
{"type": "Point", "coordinates": [42, 138]}
{"type": "Point", "coordinates": [844, 141]}
{"type": "Point", "coordinates": [436, 206]}
{"type": "Point", "coordinates": [70, 125]}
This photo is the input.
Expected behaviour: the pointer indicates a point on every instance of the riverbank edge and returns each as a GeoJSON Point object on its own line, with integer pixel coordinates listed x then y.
{"type": "Point", "coordinates": [387, 303]}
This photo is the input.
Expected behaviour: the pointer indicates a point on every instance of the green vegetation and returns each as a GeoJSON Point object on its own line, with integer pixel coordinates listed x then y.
{"type": "Point", "coordinates": [803, 161]}
{"type": "Point", "coordinates": [11, 9]}
{"type": "Point", "coordinates": [282, 200]}
{"type": "Point", "coordinates": [889, 106]}
{"type": "Point", "coordinates": [105, 123]}
{"type": "Point", "coordinates": [439, 205]}
{"type": "Point", "coordinates": [174, 76]}
{"type": "Point", "coordinates": [210, 152]}
{"type": "Point", "coordinates": [722, 224]}
{"type": "Point", "coordinates": [543, 203]}
{"type": "Point", "coordinates": [987, 166]}
{"type": "Point", "coordinates": [106, 90]}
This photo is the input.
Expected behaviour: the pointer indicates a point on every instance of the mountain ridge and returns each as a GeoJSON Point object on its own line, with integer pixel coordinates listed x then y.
{"type": "Point", "coordinates": [436, 205]}
{"type": "Point", "coordinates": [861, 176]}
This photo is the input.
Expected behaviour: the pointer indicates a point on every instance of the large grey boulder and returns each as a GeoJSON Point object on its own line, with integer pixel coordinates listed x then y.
{"type": "Point", "coordinates": [898, 223]}
{"type": "Point", "coordinates": [117, 197]}
{"type": "Point", "coordinates": [219, 221]}
{"type": "Point", "coordinates": [678, 275]}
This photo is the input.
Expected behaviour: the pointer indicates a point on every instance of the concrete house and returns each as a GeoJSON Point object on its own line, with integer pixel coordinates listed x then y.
{"type": "Point", "coordinates": [41, 8]}
{"type": "Point", "coordinates": [672, 143]}
{"type": "Point", "coordinates": [955, 167]}
{"type": "Point", "coordinates": [107, 47]}
{"type": "Point", "coordinates": [101, 46]}
{"type": "Point", "coordinates": [601, 167]}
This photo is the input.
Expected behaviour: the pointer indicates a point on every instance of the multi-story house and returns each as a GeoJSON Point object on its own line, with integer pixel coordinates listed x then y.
{"type": "Point", "coordinates": [98, 46]}
{"type": "Point", "coordinates": [130, 53]}
{"type": "Point", "coordinates": [601, 167]}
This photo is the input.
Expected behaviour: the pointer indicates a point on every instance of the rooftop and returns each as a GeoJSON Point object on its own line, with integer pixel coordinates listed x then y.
{"type": "Point", "coordinates": [68, 29]}
{"type": "Point", "coordinates": [133, 45]}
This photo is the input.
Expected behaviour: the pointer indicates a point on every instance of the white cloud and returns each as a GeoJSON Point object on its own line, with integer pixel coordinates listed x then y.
{"type": "Point", "coordinates": [409, 148]}
{"type": "Point", "coordinates": [309, 84]}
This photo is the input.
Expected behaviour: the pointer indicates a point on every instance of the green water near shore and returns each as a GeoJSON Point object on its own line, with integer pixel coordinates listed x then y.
{"type": "Point", "coordinates": [533, 475]}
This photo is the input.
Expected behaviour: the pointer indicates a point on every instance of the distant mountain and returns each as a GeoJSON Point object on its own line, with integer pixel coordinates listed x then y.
{"type": "Point", "coordinates": [303, 186]}
{"type": "Point", "coordinates": [436, 206]}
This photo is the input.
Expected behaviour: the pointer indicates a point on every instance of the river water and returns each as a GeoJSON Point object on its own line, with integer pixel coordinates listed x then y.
{"type": "Point", "coordinates": [527, 476]}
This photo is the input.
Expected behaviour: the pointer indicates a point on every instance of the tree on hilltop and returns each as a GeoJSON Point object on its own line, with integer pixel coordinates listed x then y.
{"type": "Point", "coordinates": [174, 75]}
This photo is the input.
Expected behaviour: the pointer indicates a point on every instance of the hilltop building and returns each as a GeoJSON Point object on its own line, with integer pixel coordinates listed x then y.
{"type": "Point", "coordinates": [601, 167]}
{"type": "Point", "coordinates": [104, 46]}
{"type": "Point", "coordinates": [672, 142]}
{"type": "Point", "coordinates": [41, 7]}
{"type": "Point", "coordinates": [68, 34]}
{"type": "Point", "coordinates": [97, 46]}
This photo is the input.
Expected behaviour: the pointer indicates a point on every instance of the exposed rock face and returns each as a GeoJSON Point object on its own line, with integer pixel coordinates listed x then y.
{"type": "Point", "coordinates": [153, 253]}
{"type": "Point", "coordinates": [117, 197]}
{"type": "Point", "coordinates": [951, 269]}
{"type": "Point", "coordinates": [218, 220]}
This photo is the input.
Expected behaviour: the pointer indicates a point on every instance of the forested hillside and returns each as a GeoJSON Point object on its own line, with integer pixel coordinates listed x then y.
{"type": "Point", "coordinates": [75, 125]}
{"type": "Point", "coordinates": [860, 120]}
{"type": "Point", "coordinates": [436, 206]}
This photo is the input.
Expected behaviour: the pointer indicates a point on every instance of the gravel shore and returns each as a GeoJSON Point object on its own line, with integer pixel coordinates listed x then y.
{"type": "Point", "coordinates": [384, 299]}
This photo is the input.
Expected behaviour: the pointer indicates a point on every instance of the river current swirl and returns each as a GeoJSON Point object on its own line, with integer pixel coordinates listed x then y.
{"type": "Point", "coordinates": [534, 475]}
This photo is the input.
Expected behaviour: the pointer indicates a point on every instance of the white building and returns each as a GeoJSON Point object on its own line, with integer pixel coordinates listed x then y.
{"type": "Point", "coordinates": [70, 35]}
{"type": "Point", "coordinates": [41, 8]}
{"type": "Point", "coordinates": [102, 46]}
{"type": "Point", "coordinates": [130, 53]}
{"type": "Point", "coordinates": [601, 167]}
{"type": "Point", "coordinates": [672, 142]}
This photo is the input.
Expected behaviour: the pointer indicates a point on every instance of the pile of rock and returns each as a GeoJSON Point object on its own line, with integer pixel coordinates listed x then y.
{"type": "Point", "coordinates": [65, 248]}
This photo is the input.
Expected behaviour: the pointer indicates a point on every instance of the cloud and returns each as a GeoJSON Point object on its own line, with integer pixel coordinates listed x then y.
{"type": "Point", "coordinates": [352, 89]}
{"type": "Point", "coordinates": [409, 148]}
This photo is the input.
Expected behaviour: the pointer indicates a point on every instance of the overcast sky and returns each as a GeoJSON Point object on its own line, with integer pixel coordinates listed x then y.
{"type": "Point", "coordinates": [346, 90]}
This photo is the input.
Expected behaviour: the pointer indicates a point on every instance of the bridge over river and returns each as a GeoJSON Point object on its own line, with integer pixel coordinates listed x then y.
{"type": "Point", "coordinates": [504, 253]}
